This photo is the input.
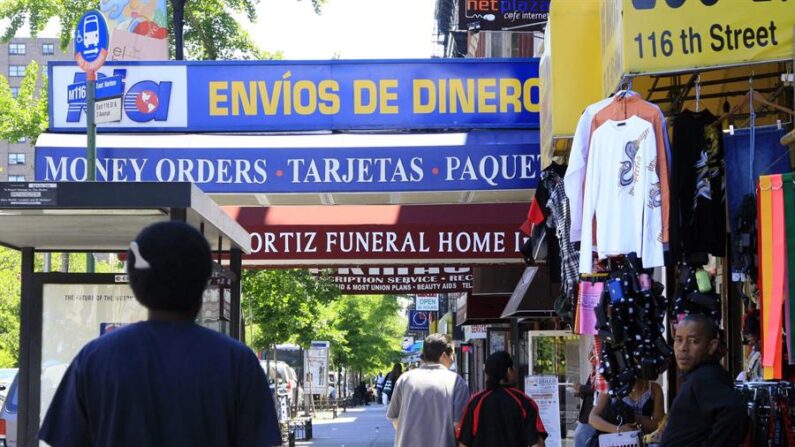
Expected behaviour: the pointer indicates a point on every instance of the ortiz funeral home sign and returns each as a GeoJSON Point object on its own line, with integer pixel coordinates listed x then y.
{"type": "Point", "coordinates": [383, 234]}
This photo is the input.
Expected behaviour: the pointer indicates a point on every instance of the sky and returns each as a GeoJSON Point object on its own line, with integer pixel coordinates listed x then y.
{"type": "Point", "coordinates": [351, 29]}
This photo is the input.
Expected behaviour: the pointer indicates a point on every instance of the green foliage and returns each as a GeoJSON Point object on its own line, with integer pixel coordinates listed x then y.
{"type": "Point", "coordinates": [26, 115]}
{"type": "Point", "coordinates": [285, 304]}
{"type": "Point", "coordinates": [292, 306]}
{"type": "Point", "coordinates": [373, 329]}
{"type": "Point", "coordinates": [10, 268]}
{"type": "Point", "coordinates": [211, 29]}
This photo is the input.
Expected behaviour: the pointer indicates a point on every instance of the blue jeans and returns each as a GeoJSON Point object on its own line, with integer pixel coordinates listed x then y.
{"type": "Point", "coordinates": [582, 434]}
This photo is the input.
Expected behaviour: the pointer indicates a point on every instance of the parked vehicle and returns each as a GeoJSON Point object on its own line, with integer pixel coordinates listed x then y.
{"type": "Point", "coordinates": [284, 375]}
{"type": "Point", "coordinates": [8, 416]}
{"type": "Point", "coordinates": [6, 378]}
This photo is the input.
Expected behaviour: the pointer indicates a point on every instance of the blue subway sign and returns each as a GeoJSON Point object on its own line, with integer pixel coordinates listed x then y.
{"type": "Point", "coordinates": [477, 166]}
{"type": "Point", "coordinates": [235, 96]}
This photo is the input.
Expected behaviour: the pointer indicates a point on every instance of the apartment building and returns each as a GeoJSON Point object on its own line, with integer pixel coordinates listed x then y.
{"type": "Point", "coordinates": [16, 157]}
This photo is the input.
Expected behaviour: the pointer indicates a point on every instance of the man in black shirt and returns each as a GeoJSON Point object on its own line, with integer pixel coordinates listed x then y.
{"type": "Point", "coordinates": [501, 415]}
{"type": "Point", "coordinates": [707, 411]}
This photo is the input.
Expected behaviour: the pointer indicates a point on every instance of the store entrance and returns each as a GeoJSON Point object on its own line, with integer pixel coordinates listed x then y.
{"type": "Point", "coordinates": [561, 354]}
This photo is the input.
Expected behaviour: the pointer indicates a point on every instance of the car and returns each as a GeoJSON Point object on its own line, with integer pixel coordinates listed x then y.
{"type": "Point", "coordinates": [6, 377]}
{"type": "Point", "coordinates": [8, 416]}
{"type": "Point", "coordinates": [283, 374]}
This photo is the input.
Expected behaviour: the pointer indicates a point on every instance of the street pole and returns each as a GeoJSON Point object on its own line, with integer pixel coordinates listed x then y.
{"type": "Point", "coordinates": [91, 137]}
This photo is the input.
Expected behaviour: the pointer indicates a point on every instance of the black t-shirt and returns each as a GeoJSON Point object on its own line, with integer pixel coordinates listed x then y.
{"type": "Point", "coordinates": [698, 198]}
{"type": "Point", "coordinates": [505, 416]}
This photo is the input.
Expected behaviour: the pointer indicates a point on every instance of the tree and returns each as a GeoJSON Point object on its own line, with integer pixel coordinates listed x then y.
{"type": "Point", "coordinates": [211, 30]}
{"type": "Point", "coordinates": [26, 115]}
{"type": "Point", "coordinates": [10, 269]}
{"type": "Point", "coordinates": [285, 304]}
{"type": "Point", "coordinates": [373, 329]}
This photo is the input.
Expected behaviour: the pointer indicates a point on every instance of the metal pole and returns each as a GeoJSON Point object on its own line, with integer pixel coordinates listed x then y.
{"type": "Point", "coordinates": [91, 137]}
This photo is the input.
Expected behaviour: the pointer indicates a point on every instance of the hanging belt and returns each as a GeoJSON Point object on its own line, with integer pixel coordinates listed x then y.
{"type": "Point", "coordinates": [766, 261]}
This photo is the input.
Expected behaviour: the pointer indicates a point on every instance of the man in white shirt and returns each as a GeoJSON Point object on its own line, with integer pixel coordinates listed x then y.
{"type": "Point", "coordinates": [427, 402]}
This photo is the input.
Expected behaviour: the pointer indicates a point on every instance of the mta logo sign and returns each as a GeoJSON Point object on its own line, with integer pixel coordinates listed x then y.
{"type": "Point", "coordinates": [144, 101]}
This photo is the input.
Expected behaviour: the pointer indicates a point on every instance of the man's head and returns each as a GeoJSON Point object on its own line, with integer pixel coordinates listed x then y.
{"type": "Point", "coordinates": [169, 264]}
{"type": "Point", "coordinates": [499, 369]}
{"type": "Point", "coordinates": [438, 348]}
{"type": "Point", "coordinates": [695, 342]}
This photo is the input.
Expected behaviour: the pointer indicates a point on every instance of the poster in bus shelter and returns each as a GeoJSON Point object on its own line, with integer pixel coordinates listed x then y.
{"type": "Point", "coordinates": [73, 315]}
{"type": "Point", "coordinates": [316, 368]}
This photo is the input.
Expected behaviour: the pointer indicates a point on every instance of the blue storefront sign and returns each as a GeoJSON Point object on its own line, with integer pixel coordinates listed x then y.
{"type": "Point", "coordinates": [419, 320]}
{"type": "Point", "coordinates": [239, 96]}
{"type": "Point", "coordinates": [469, 167]}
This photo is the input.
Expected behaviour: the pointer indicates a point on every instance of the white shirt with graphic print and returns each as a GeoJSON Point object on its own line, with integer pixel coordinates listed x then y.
{"type": "Point", "coordinates": [622, 193]}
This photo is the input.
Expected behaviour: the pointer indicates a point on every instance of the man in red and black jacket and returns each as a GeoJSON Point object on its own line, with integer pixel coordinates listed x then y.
{"type": "Point", "coordinates": [501, 415]}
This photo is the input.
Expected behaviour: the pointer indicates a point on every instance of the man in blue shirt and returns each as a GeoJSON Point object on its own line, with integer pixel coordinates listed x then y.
{"type": "Point", "coordinates": [165, 381]}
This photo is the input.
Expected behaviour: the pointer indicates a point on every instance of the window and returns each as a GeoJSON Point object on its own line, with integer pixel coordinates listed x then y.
{"type": "Point", "coordinates": [16, 71]}
{"type": "Point", "coordinates": [48, 49]}
{"type": "Point", "coordinates": [16, 158]}
{"type": "Point", "coordinates": [16, 178]}
{"type": "Point", "coordinates": [22, 140]}
{"type": "Point", "coordinates": [16, 48]}
{"type": "Point", "coordinates": [14, 91]}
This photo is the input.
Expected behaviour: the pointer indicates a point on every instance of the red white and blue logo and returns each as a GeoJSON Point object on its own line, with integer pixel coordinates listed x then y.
{"type": "Point", "coordinates": [144, 101]}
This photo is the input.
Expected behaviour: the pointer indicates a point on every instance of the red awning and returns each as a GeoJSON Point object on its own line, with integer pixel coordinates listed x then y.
{"type": "Point", "coordinates": [383, 234]}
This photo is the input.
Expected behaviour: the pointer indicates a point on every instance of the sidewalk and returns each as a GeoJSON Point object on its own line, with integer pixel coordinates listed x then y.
{"type": "Point", "coordinates": [358, 427]}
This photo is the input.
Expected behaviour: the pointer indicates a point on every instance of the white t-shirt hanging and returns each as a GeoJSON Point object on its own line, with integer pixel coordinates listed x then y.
{"type": "Point", "coordinates": [575, 172]}
{"type": "Point", "coordinates": [622, 191]}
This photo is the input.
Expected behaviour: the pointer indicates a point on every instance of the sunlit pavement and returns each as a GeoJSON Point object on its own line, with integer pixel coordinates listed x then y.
{"type": "Point", "coordinates": [358, 427]}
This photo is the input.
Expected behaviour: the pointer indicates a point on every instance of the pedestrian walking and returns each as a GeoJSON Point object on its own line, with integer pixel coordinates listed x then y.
{"type": "Point", "coordinates": [706, 411]}
{"type": "Point", "coordinates": [159, 382]}
{"type": "Point", "coordinates": [389, 382]}
{"type": "Point", "coordinates": [502, 415]}
{"type": "Point", "coordinates": [379, 387]}
{"type": "Point", "coordinates": [428, 401]}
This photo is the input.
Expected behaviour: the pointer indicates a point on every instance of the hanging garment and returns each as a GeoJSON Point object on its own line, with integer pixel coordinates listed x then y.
{"type": "Point", "coordinates": [578, 159]}
{"type": "Point", "coordinates": [624, 107]}
{"type": "Point", "coordinates": [769, 157]}
{"type": "Point", "coordinates": [559, 221]}
{"type": "Point", "coordinates": [697, 198]}
{"type": "Point", "coordinates": [590, 292]}
{"type": "Point", "coordinates": [623, 193]}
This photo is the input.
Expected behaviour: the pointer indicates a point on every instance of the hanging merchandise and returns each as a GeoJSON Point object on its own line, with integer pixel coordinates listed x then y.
{"type": "Point", "coordinates": [629, 321]}
{"type": "Point", "coordinates": [632, 105]}
{"type": "Point", "coordinates": [622, 192]}
{"type": "Point", "coordinates": [619, 107]}
{"type": "Point", "coordinates": [698, 195]}
{"type": "Point", "coordinates": [770, 413]}
{"type": "Point", "coordinates": [774, 282]}
{"type": "Point", "coordinates": [695, 295]}
{"type": "Point", "coordinates": [767, 156]}
{"type": "Point", "coordinates": [589, 294]}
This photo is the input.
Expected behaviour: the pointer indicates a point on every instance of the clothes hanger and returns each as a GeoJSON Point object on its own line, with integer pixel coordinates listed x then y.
{"type": "Point", "coordinates": [755, 96]}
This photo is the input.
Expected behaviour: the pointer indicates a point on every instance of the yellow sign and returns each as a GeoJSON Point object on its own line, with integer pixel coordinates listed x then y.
{"type": "Point", "coordinates": [669, 35]}
{"type": "Point", "coordinates": [570, 71]}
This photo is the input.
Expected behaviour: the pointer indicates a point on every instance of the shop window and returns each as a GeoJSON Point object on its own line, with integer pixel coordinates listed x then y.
{"type": "Point", "coordinates": [16, 158]}
{"type": "Point", "coordinates": [16, 178]}
{"type": "Point", "coordinates": [16, 71]}
{"type": "Point", "coordinates": [48, 49]}
{"type": "Point", "coordinates": [16, 49]}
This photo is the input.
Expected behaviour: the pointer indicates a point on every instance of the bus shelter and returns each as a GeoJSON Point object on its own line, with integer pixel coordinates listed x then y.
{"type": "Point", "coordinates": [59, 312]}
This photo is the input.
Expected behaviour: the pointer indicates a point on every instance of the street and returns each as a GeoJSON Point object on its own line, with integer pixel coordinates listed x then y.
{"type": "Point", "coordinates": [358, 427]}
